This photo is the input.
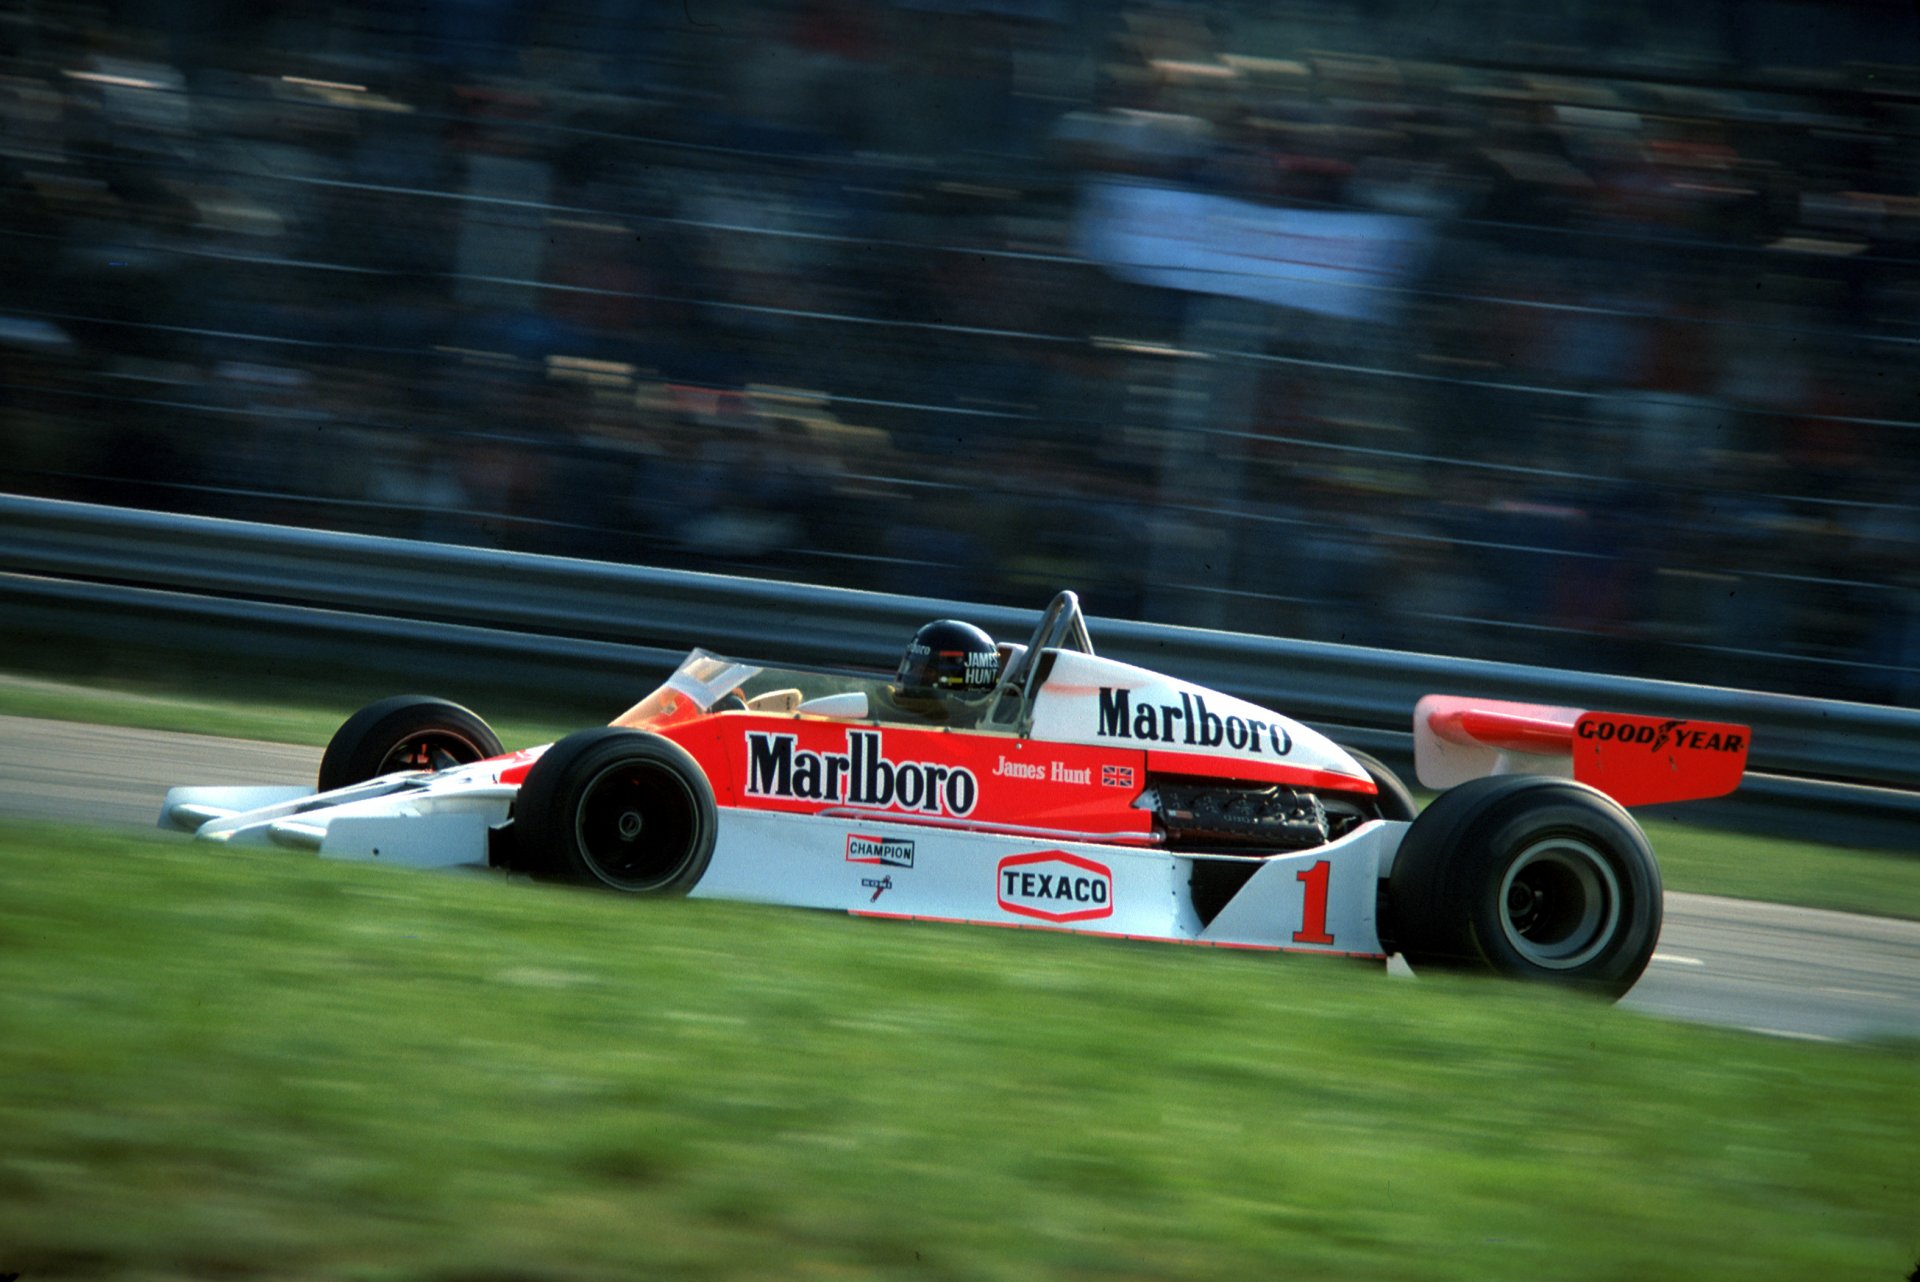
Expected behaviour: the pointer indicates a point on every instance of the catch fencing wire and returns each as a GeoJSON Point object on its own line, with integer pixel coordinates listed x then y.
{"type": "Point", "coordinates": [1316, 363]}
{"type": "Point", "coordinates": [1687, 245]}
{"type": "Point", "coordinates": [1364, 371]}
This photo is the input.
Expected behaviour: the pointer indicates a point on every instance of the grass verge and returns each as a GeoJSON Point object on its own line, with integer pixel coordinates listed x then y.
{"type": "Point", "coordinates": [1745, 866]}
{"type": "Point", "coordinates": [302, 714]}
{"type": "Point", "coordinates": [240, 1064]}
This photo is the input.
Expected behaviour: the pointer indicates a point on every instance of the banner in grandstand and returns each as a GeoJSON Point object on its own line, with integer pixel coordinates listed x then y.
{"type": "Point", "coordinates": [1336, 264]}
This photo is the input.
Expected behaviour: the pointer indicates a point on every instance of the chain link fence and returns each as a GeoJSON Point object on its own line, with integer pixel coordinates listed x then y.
{"type": "Point", "coordinates": [821, 291]}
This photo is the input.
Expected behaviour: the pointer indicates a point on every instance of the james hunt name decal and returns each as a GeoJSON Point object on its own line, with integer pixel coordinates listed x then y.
{"type": "Point", "coordinates": [860, 776]}
{"type": "Point", "coordinates": [1188, 722]}
{"type": "Point", "coordinates": [1055, 886]}
{"type": "Point", "coordinates": [1043, 771]}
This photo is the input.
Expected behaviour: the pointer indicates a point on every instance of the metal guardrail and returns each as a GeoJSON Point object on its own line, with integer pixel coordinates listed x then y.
{"type": "Point", "coordinates": [576, 625]}
{"type": "Point", "coordinates": [438, 657]}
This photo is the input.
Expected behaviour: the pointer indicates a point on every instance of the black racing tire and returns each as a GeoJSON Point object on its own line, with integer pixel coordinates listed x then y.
{"type": "Point", "coordinates": [1395, 799]}
{"type": "Point", "coordinates": [1392, 800]}
{"type": "Point", "coordinates": [406, 732]}
{"type": "Point", "coordinates": [1530, 878]}
{"type": "Point", "coordinates": [621, 809]}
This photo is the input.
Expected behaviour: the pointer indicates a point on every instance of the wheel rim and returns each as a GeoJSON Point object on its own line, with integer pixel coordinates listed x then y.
{"type": "Point", "coordinates": [636, 825]}
{"type": "Point", "coordinates": [431, 750]}
{"type": "Point", "coordinates": [1560, 903]}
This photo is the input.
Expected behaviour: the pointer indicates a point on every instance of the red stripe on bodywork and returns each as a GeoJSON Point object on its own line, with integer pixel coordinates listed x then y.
{"type": "Point", "coordinates": [1216, 767]}
{"type": "Point", "coordinates": [1505, 731]}
{"type": "Point", "coordinates": [1021, 783]}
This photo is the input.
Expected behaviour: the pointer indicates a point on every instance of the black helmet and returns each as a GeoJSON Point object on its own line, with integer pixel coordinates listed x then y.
{"type": "Point", "coordinates": [949, 655]}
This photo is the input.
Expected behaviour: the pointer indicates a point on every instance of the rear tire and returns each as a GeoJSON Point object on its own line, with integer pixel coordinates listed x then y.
{"type": "Point", "coordinates": [406, 732]}
{"type": "Point", "coordinates": [1395, 798]}
{"type": "Point", "coordinates": [623, 809]}
{"type": "Point", "coordinates": [1531, 878]}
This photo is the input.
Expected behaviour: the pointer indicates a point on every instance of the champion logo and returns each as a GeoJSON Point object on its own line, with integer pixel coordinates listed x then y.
{"type": "Point", "coordinates": [893, 851]}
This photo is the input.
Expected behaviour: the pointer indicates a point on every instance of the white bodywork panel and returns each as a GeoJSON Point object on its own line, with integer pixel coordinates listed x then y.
{"type": "Point", "coordinates": [1275, 901]}
{"type": "Point", "coordinates": [901, 870]}
{"type": "Point", "coordinates": [1318, 900]}
{"type": "Point", "coordinates": [1092, 700]}
{"type": "Point", "coordinates": [814, 861]}
{"type": "Point", "coordinates": [203, 810]}
{"type": "Point", "coordinates": [412, 820]}
{"type": "Point", "coordinates": [1443, 761]}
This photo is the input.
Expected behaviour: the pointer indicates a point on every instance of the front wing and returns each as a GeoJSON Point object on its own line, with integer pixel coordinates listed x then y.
{"type": "Point", "coordinates": [413, 820]}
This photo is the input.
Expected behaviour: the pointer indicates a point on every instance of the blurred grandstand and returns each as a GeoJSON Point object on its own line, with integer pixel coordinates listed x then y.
{"type": "Point", "coordinates": [1577, 334]}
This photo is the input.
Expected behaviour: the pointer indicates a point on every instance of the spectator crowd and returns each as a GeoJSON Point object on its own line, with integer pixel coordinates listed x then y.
{"type": "Point", "coordinates": [810, 289]}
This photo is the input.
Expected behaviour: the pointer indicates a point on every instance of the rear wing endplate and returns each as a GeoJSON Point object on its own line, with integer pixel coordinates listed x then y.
{"type": "Point", "coordinates": [1638, 761]}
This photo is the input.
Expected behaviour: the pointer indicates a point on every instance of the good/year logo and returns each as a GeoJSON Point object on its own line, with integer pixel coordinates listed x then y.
{"type": "Point", "coordinates": [860, 776]}
{"type": "Point", "coordinates": [1055, 886]}
{"type": "Point", "coordinates": [1657, 735]}
{"type": "Point", "coordinates": [1640, 761]}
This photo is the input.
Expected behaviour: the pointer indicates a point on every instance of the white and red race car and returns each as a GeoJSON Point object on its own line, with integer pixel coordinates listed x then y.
{"type": "Point", "coordinates": [1079, 793]}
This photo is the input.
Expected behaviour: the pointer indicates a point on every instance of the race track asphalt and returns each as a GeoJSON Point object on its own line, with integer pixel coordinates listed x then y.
{"type": "Point", "coordinates": [1791, 972]}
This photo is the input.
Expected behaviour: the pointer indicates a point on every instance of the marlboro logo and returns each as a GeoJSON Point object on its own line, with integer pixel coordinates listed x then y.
{"type": "Point", "coordinates": [1189, 722]}
{"type": "Point", "coordinates": [860, 776]}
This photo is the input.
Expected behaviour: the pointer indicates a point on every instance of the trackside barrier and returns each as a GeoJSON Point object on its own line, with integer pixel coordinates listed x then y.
{"type": "Point", "coordinates": [571, 622]}
{"type": "Point", "coordinates": [431, 655]}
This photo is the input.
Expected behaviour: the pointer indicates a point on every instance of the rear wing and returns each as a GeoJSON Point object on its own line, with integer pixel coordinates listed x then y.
{"type": "Point", "coordinates": [1638, 761]}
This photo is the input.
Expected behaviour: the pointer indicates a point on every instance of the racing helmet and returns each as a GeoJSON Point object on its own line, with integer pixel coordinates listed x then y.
{"type": "Point", "coordinates": [949, 656]}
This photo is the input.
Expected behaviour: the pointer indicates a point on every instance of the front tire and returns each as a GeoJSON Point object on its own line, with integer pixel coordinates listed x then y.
{"type": "Point", "coordinates": [1531, 878]}
{"type": "Point", "coordinates": [406, 732]}
{"type": "Point", "coordinates": [623, 809]}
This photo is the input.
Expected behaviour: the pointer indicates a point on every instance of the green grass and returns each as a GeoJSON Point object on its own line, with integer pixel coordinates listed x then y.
{"type": "Point", "coordinates": [1746, 866]}
{"type": "Point", "coordinates": [227, 1063]}
{"type": "Point", "coordinates": [307, 715]}
{"type": "Point", "coordinates": [1691, 859]}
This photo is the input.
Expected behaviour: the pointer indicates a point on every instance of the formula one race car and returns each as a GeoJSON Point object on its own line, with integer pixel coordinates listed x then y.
{"type": "Point", "coordinates": [1038, 785]}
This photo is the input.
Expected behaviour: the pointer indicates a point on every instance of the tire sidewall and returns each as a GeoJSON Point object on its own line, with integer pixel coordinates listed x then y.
{"type": "Point", "coordinates": [361, 746]}
{"type": "Point", "coordinates": [1497, 839]}
{"type": "Point", "coordinates": [1447, 880]}
{"type": "Point", "coordinates": [547, 812]}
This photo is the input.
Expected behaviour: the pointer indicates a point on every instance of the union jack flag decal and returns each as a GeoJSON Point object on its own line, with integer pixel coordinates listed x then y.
{"type": "Point", "coordinates": [1117, 776]}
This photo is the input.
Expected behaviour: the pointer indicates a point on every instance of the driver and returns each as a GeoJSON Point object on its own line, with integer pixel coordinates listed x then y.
{"type": "Point", "coordinates": [947, 673]}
